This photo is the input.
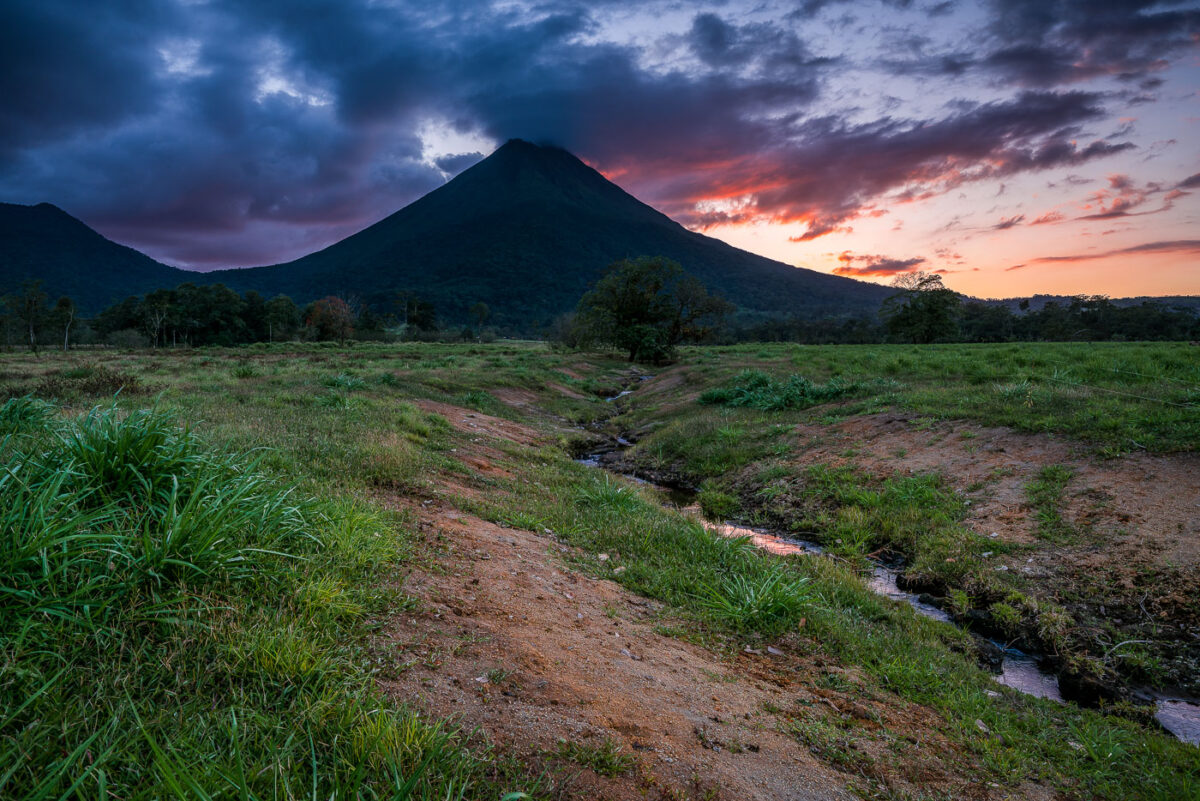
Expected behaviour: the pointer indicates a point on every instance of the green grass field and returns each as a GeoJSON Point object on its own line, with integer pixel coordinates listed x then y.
{"type": "Point", "coordinates": [197, 554]}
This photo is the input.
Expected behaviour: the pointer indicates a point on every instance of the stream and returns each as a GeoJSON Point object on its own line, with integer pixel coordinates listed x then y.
{"type": "Point", "coordinates": [1019, 670]}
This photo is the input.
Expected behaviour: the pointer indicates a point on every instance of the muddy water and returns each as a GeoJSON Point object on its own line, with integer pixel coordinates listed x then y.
{"type": "Point", "coordinates": [1181, 718]}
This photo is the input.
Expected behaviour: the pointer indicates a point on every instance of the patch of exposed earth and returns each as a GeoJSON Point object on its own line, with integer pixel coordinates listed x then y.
{"type": "Point", "coordinates": [1146, 506]}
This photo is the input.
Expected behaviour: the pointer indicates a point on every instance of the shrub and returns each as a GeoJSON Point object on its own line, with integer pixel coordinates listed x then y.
{"type": "Point", "coordinates": [25, 413]}
{"type": "Point", "coordinates": [343, 381]}
{"type": "Point", "coordinates": [336, 400]}
{"type": "Point", "coordinates": [757, 390]}
{"type": "Point", "coordinates": [610, 495]}
{"type": "Point", "coordinates": [717, 505]}
{"type": "Point", "coordinates": [133, 508]}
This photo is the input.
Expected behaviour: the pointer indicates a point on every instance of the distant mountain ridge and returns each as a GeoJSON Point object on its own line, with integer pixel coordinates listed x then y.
{"type": "Point", "coordinates": [44, 242]}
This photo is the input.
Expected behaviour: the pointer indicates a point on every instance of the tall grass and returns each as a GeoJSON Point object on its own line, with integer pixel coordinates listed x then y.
{"type": "Point", "coordinates": [175, 623]}
{"type": "Point", "coordinates": [770, 604]}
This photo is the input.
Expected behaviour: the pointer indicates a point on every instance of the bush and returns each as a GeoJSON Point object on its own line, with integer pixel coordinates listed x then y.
{"type": "Point", "coordinates": [129, 338]}
{"type": "Point", "coordinates": [717, 505]}
{"type": "Point", "coordinates": [25, 413]}
{"type": "Point", "coordinates": [757, 390]}
{"type": "Point", "coordinates": [344, 381]}
{"type": "Point", "coordinates": [115, 509]}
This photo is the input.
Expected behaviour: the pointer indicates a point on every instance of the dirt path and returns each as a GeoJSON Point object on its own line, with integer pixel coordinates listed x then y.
{"type": "Point", "coordinates": [512, 642]}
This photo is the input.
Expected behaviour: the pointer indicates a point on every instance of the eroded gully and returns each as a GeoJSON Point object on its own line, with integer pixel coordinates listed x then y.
{"type": "Point", "coordinates": [1026, 672]}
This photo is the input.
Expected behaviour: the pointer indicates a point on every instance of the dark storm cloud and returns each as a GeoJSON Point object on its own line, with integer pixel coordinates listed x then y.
{"type": "Point", "coordinates": [718, 43]}
{"type": "Point", "coordinates": [63, 72]}
{"type": "Point", "coordinates": [1038, 44]}
{"type": "Point", "coordinates": [1191, 182]}
{"type": "Point", "coordinates": [1048, 44]}
{"type": "Point", "coordinates": [1009, 222]}
{"type": "Point", "coordinates": [458, 162]}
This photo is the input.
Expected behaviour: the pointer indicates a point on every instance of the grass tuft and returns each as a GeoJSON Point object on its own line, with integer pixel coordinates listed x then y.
{"type": "Point", "coordinates": [769, 604]}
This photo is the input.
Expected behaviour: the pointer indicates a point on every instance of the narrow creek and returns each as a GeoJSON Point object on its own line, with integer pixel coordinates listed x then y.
{"type": "Point", "coordinates": [1025, 672]}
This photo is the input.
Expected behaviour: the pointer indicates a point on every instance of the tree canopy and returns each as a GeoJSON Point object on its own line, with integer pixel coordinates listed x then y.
{"type": "Point", "coordinates": [646, 307]}
{"type": "Point", "coordinates": [926, 311]}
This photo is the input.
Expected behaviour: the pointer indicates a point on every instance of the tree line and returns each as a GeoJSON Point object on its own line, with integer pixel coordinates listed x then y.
{"type": "Point", "coordinates": [644, 307]}
{"type": "Point", "coordinates": [924, 311]}
{"type": "Point", "coordinates": [191, 315]}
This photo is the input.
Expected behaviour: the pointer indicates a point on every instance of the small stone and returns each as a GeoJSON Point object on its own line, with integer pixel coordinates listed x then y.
{"type": "Point", "coordinates": [603, 557]}
{"type": "Point", "coordinates": [979, 724]}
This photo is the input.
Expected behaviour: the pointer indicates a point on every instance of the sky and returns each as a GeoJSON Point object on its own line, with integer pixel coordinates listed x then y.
{"type": "Point", "coordinates": [1014, 146]}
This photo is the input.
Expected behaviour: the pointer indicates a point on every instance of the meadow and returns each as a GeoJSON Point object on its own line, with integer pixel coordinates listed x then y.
{"type": "Point", "coordinates": [203, 547]}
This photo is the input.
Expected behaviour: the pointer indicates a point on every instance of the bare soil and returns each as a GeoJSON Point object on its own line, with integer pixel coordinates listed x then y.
{"type": "Point", "coordinates": [1143, 505]}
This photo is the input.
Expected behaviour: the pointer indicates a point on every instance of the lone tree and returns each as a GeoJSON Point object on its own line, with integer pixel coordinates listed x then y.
{"type": "Point", "coordinates": [479, 314]}
{"type": "Point", "coordinates": [331, 318]}
{"type": "Point", "coordinates": [30, 308]}
{"type": "Point", "coordinates": [282, 317]}
{"type": "Point", "coordinates": [925, 311]}
{"type": "Point", "coordinates": [646, 307]}
{"type": "Point", "coordinates": [64, 315]}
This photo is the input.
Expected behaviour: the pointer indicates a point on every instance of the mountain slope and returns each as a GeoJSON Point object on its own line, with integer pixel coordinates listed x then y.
{"type": "Point", "coordinates": [44, 242]}
{"type": "Point", "coordinates": [526, 231]}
